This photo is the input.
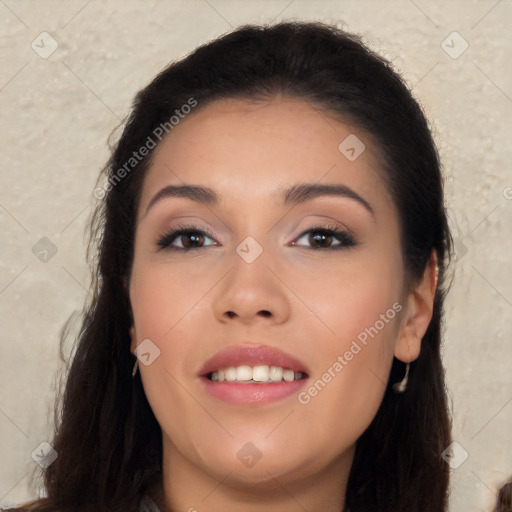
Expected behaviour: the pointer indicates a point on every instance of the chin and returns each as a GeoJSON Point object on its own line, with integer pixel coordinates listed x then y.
{"type": "Point", "coordinates": [260, 468]}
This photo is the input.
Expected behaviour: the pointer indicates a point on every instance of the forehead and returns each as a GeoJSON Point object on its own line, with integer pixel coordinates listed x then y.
{"type": "Point", "coordinates": [249, 149]}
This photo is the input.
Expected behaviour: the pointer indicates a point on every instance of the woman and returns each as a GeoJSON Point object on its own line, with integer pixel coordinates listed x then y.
{"type": "Point", "coordinates": [265, 328]}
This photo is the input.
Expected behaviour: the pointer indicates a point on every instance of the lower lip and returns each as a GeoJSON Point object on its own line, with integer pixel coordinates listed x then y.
{"type": "Point", "coordinates": [236, 393]}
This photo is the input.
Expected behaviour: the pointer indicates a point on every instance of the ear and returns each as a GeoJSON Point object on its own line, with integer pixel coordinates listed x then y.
{"type": "Point", "coordinates": [133, 336]}
{"type": "Point", "coordinates": [417, 314]}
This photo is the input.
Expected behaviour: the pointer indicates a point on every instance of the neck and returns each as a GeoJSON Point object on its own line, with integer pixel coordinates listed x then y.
{"type": "Point", "coordinates": [186, 487]}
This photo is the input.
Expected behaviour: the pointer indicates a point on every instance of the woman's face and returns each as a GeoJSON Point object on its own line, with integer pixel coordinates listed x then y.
{"type": "Point", "coordinates": [292, 260]}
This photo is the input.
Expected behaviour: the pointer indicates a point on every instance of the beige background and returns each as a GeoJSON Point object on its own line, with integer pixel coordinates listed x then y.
{"type": "Point", "coordinates": [57, 113]}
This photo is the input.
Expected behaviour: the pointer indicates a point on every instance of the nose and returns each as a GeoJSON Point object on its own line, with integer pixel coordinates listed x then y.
{"type": "Point", "coordinates": [251, 292]}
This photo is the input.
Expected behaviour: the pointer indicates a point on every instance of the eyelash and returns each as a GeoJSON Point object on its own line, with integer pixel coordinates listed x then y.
{"type": "Point", "coordinates": [345, 238]}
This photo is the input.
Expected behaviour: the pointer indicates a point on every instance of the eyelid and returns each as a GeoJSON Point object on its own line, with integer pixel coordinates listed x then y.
{"type": "Point", "coordinates": [349, 239]}
{"type": "Point", "coordinates": [328, 225]}
{"type": "Point", "coordinates": [176, 231]}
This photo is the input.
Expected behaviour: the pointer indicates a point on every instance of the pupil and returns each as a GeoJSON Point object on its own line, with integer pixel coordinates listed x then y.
{"type": "Point", "coordinates": [193, 238]}
{"type": "Point", "coordinates": [320, 239]}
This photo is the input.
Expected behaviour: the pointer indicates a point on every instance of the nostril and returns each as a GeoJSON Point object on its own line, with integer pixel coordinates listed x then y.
{"type": "Point", "coordinates": [263, 312]}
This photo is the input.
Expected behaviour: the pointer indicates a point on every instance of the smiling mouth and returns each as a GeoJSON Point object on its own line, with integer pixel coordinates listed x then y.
{"type": "Point", "coordinates": [259, 374]}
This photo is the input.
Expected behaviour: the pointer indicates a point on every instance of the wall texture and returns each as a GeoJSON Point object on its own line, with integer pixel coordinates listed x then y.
{"type": "Point", "coordinates": [69, 72]}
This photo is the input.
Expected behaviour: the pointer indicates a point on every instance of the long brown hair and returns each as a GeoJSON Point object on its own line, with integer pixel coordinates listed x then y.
{"type": "Point", "coordinates": [107, 438]}
{"type": "Point", "coordinates": [504, 501]}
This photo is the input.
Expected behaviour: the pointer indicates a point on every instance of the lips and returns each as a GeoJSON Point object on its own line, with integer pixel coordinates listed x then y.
{"type": "Point", "coordinates": [252, 375]}
{"type": "Point", "coordinates": [253, 355]}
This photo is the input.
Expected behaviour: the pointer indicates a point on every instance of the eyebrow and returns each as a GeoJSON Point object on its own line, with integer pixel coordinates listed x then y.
{"type": "Point", "coordinates": [196, 193]}
{"type": "Point", "coordinates": [293, 195]}
{"type": "Point", "coordinates": [305, 192]}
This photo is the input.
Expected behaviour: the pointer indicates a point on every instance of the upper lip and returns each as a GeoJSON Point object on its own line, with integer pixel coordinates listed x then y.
{"type": "Point", "coordinates": [252, 355]}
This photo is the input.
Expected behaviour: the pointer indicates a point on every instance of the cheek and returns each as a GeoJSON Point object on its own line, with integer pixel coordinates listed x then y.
{"type": "Point", "coordinates": [349, 297]}
{"type": "Point", "coordinates": [169, 308]}
{"type": "Point", "coordinates": [359, 311]}
{"type": "Point", "coordinates": [346, 397]}
{"type": "Point", "coordinates": [347, 390]}
{"type": "Point", "coordinates": [163, 295]}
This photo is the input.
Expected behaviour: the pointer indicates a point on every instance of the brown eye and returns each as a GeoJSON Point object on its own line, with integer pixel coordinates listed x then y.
{"type": "Point", "coordinates": [185, 239]}
{"type": "Point", "coordinates": [319, 239]}
{"type": "Point", "coordinates": [192, 240]}
{"type": "Point", "coordinates": [323, 238]}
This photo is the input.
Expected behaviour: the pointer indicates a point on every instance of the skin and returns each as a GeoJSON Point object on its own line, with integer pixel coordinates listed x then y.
{"type": "Point", "coordinates": [309, 303]}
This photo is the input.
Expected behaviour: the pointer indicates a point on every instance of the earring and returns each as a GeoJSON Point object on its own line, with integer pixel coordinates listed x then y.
{"type": "Point", "coordinates": [400, 387]}
{"type": "Point", "coordinates": [436, 270]}
{"type": "Point", "coordinates": [135, 367]}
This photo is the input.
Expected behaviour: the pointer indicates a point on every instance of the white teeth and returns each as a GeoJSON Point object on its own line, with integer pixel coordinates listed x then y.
{"type": "Point", "coordinates": [259, 373]}
{"type": "Point", "coordinates": [243, 373]}
{"type": "Point", "coordinates": [288, 375]}
{"type": "Point", "coordinates": [230, 374]}
{"type": "Point", "coordinates": [276, 373]}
